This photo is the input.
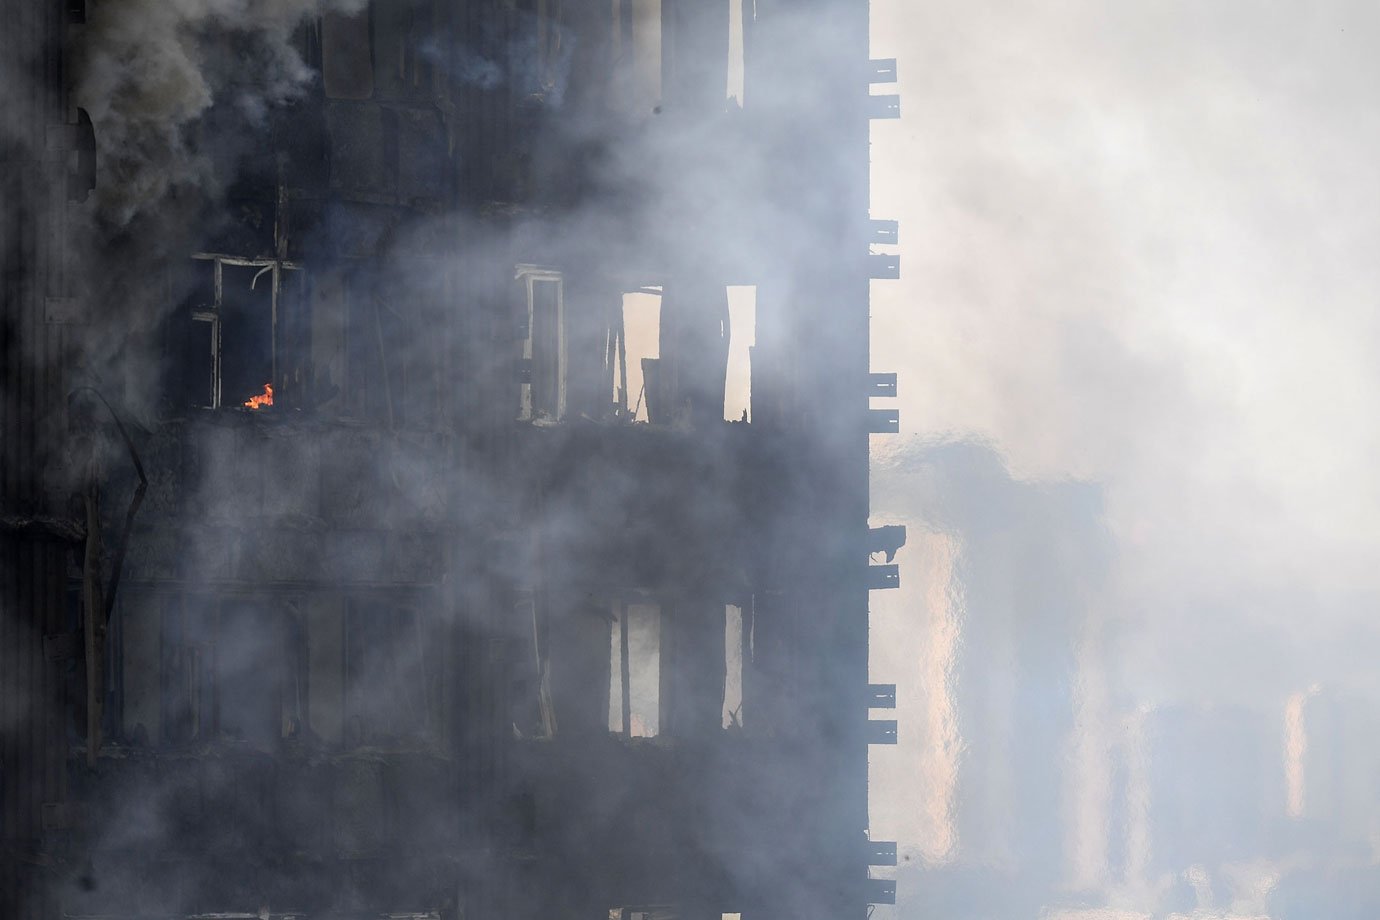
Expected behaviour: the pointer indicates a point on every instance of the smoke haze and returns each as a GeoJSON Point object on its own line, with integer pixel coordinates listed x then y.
{"type": "Point", "coordinates": [1137, 254]}
{"type": "Point", "coordinates": [1136, 335]}
{"type": "Point", "coordinates": [151, 69]}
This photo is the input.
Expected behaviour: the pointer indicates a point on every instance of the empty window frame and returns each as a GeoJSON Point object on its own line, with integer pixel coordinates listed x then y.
{"type": "Point", "coordinates": [634, 343]}
{"type": "Point", "coordinates": [239, 327]}
{"type": "Point", "coordinates": [734, 649]}
{"type": "Point", "coordinates": [635, 671]}
{"type": "Point", "coordinates": [346, 53]}
{"type": "Point", "coordinates": [539, 53]}
{"type": "Point", "coordinates": [637, 50]}
{"type": "Point", "coordinates": [384, 48]}
{"type": "Point", "coordinates": [738, 11]}
{"type": "Point", "coordinates": [377, 352]}
{"type": "Point", "coordinates": [551, 54]}
{"type": "Point", "coordinates": [393, 662]}
{"type": "Point", "coordinates": [544, 344]}
{"type": "Point", "coordinates": [401, 29]}
{"type": "Point", "coordinates": [231, 668]}
{"type": "Point", "coordinates": [742, 315]}
{"type": "Point", "coordinates": [531, 710]}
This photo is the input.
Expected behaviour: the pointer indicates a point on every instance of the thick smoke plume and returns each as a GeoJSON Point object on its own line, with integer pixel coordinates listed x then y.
{"type": "Point", "coordinates": [149, 71]}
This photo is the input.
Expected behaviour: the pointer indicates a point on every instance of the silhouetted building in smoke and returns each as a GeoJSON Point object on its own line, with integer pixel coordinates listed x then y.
{"type": "Point", "coordinates": [1332, 771]}
{"type": "Point", "coordinates": [1006, 579]}
{"type": "Point", "coordinates": [1215, 786]}
{"type": "Point", "coordinates": [341, 574]}
{"type": "Point", "coordinates": [1332, 800]}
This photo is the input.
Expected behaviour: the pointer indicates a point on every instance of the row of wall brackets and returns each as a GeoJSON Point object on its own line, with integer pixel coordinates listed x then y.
{"type": "Point", "coordinates": [883, 421]}
{"type": "Point", "coordinates": [882, 70]}
{"type": "Point", "coordinates": [881, 731]}
{"type": "Point", "coordinates": [881, 696]}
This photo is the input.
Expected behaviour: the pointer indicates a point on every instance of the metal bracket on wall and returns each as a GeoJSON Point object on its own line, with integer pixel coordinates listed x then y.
{"type": "Point", "coordinates": [881, 70]}
{"type": "Point", "coordinates": [881, 731]}
{"type": "Point", "coordinates": [881, 386]}
{"type": "Point", "coordinates": [884, 421]}
{"type": "Point", "coordinates": [881, 696]}
{"type": "Point", "coordinates": [888, 106]}
{"type": "Point", "coordinates": [881, 852]}
{"type": "Point", "coordinates": [880, 577]}
{"type": "Point", "coordinates": [881, 891]}
{"type": "Point", "coordinates": [883, 266]}
{"type": "Point", "coordinates": [884, 232]}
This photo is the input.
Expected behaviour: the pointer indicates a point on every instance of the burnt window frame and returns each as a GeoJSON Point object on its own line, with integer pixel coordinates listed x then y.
{"type": "Point", "coordinates": [653, 608]}
{"type": "Point", "coordinates": [192, 676]}
{"type": "Point", "coordinates": [212, 313]}
{"type": "Point", "coordinates": [638, 72]}
{"type": "Point", "coordinates": [529, 275]}
{"type": "Point", "coordinates": [358, 729]}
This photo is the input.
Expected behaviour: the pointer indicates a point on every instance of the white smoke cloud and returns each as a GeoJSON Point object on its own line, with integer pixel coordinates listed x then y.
{"type": "Point", "coordinates": [1136, 248]}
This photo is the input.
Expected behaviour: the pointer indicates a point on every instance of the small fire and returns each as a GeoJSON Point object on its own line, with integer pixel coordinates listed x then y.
{"type": "Point", "coordinates": [264, 399]}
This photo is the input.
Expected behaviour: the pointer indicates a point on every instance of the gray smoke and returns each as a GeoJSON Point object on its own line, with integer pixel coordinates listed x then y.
{"type": "Point", "coordinates": [246, 503]}
{"type": "Point", "coordinates": [150, 69]}
{"type": "Point", "coordinates": [1136, 337]}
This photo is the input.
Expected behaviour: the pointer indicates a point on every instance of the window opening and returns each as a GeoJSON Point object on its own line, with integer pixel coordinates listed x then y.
{"type": "Point", "coordinates": [376, 373]}
{"type": "Point", "coordinates": [538, 52]}
{"type": "Point", "coordinates": [246, 320]}
{"type": "Point", "coordinates": [135, 632]}
{"type": "Point", "coordinates": [346, 52]}
{"type": "Point", "coordinates": [635, 671]}
{"type": "Point", "coordinates": [229, 669]}
{"type": "Point", "coordinates": [531, 707]}
{"type": "Point", "coordinates": [735, 49]}
{"type": "Point", "coordinates": [638, 44]}
{"type": "Point", "coordinates": [742, 318]}
{"type": "Point", "coordinates": [622, 34]}
{"type": "Point", "coordinates": [392, 673]}
{"type": "Point", "coordinates": [237, 331]}
{"type": "Point", "coordinates": [544, 344]}
{"type": "Point", "coordinates": [400, 48]}
{"type": "Point", "coordinates": [186, 674]}
{"type": "Point", "coordinates": [325, 657]}
{"type": "Point", "coordinates": [635, 339]}
{"type": "Point", "coordinates": [733, 666]}
{"type": "Point", "coordinates": [249, 677]}
{"type": "Point", "coordinates": [549, 51]}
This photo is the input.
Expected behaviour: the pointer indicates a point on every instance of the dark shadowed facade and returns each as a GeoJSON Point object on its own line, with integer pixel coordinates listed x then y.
{"type": "Point", "coordinates": [343, 572]}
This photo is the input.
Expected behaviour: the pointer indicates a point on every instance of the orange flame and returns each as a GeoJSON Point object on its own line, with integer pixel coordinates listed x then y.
{"type": "Point", "coordinates": [265, 399]}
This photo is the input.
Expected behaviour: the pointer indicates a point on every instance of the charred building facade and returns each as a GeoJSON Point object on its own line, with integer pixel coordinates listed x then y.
{"type": "Point", "coordinates": [386, 551]}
